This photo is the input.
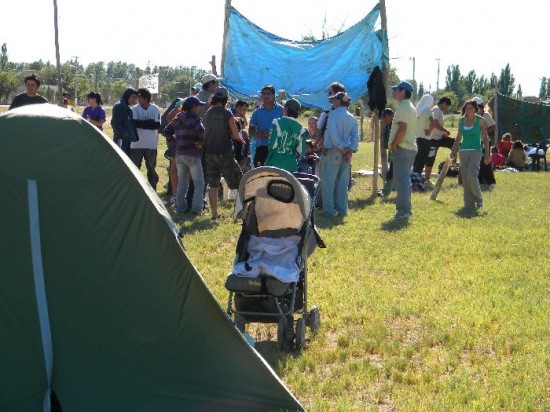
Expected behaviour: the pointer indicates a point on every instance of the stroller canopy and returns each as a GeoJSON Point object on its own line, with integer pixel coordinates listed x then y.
{"type": "Point", "coordinates": [281, 202]}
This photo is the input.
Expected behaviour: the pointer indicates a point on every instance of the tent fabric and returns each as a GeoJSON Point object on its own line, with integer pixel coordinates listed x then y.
{"type": "Point", "coordinates": [528, 122]}
{"type": "Point", "coordinates": [304, 69]}
{"type": "Point", "coordinates": [133, 324]}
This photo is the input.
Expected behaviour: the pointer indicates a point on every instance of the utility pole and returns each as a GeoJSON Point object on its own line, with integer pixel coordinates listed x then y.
{"type": "Point", "coordinates": [414, 69]}
{"type": "Point", "coordinates": [76, 81]}
{"type": "Point", "coordinates": [437, 83]}
{"type": "Point", "coordinates": [57, 57]}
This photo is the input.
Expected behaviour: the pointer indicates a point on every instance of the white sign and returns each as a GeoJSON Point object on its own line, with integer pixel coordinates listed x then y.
{"type": "Point", "coordinates": [149, 82]}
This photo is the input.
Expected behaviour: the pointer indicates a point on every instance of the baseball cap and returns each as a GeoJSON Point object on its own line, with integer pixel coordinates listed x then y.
{"type": "Point", "coordinates": [387, 112]}
{"type": "Point", "coordinates": [221, 92]}
{"type": "Point", "coordinates": [477, 99]}
{"type": "Point", "coordinates": [191, 101]}
{"type": "Point", "coordinates": [208, 78]}
{"type": "Point", "coordinates": [293, 105]}
{"type": "Point", "coordinates": [403, 85]}
{"type": "Point", "coordinates": [343, 97]}
{"type": "Point", "coordinates": [198, 86]}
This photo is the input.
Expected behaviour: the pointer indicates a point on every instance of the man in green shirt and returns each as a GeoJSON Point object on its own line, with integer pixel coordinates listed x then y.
{"type": "Point", "coordinates": [403, 148]}
{"type": "Point", "coordinates": [287, 139]}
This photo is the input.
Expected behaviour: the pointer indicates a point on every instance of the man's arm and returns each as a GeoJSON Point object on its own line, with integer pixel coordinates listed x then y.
{"type": "Point", "coordinates": [399, 136]}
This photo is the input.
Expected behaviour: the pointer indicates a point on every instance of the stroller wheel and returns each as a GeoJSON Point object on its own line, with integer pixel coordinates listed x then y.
{"type": "Point", "coordinates": [281, 332]}
{"type": "Point", "coordinates": [314, 319]}
{"type": "Point", "coordinates": [300, 333]}
{"type": "Point", "coordinates": [240, 323]}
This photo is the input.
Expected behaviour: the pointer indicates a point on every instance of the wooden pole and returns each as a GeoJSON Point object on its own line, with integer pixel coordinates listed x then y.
{"type": "Point", "coordinates": [380, 128]}
{"type": "Point", "coordinates": [495, 106]}
{"type": "Point", "coordinates": [225, 32]}
{"type": "Point", "coordinates": [376, 134]}
{"type": "Point", "coordinates": [57, 57]}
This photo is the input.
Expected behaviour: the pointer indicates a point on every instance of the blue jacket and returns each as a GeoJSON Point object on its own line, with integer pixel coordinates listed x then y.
{"type": "Point", "coordinates": [121, 121]}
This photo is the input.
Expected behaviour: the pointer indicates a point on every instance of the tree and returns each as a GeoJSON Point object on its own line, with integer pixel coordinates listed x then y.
{"type": "Point", "coordinates": [506, 81]}
{"type": "Point", "coordinates": [455, 83]}
{"type": "Point", "coordinates": [8, 84]}
{"type": "Point", "coordinates": [421, 90]}
{"type": "Point", "coordinates": [470, 82]}
{"type": "Point", "coordinates": [4, 57]}
{"type": "Point", "coordinates": [542, 91]}
{"type": "Point", "coordinates": [482, 85]}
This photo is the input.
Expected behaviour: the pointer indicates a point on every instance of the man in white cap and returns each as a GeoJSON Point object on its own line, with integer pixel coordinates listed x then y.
{"type": "Point", "coordinates": [209, 84]}
{"type": "Point", "coordinates": [403, 148]}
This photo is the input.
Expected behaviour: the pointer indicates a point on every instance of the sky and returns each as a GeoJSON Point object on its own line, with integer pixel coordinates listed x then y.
{"type": "Point", "coordinates": [483, 36]}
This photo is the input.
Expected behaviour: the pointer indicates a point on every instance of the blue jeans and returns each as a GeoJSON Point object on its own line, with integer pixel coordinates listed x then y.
{"type": "Point", "coordinates": [334, 190]}
{"type": "Point", "coordinates": [189, 165]}
{"type": "Point", "coordinates": [403, 160]}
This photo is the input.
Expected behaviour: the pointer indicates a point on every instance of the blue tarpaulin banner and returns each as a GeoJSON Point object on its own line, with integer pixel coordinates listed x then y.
{"type": "Point", "coordinates": [304, 69]}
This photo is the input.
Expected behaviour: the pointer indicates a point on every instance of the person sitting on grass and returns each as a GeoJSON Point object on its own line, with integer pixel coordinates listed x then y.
{"type": "Point", "coordinates": [517, 157]}
{"type": "Point", "coordinates": [505, 145]}
{"type": "Point", "coordinates": [497, 159]}
{"type": "Point", "coordinates": [287, 139]}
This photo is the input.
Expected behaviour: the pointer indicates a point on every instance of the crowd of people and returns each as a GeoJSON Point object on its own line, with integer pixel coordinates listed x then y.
{"type": "Point", "coordinates": [207, 142]}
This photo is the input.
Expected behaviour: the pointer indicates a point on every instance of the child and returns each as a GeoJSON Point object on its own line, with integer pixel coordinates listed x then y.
{"type": "Point", "coordinates": [497, 159]}
{"type": "Point", "coordinates": [517, 157]}
{"type": "Point", "coordinates": [308, 162]}
{"type": "Point", "coordinates": [505, 145]}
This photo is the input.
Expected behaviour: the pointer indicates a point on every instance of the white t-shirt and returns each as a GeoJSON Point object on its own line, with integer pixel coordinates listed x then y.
{"type": "Point", "coordinates": [438, 117]}
{"type": "Point", "coordinates": [488, 119]}
{"type": "Point", "coordinates": [148, 139]}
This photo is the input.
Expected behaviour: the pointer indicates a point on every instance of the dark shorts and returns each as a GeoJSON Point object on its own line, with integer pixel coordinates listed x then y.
{"type": "Point", "coordinates": [222, 165]}
{"type": "Point", "coordinates": [170, 152]}
{"type": "Point", "coordinates": [260, 155]}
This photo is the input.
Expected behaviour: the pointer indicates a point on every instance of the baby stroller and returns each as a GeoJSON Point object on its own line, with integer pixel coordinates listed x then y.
{"type": "Point", "coordinates": [268, 283]}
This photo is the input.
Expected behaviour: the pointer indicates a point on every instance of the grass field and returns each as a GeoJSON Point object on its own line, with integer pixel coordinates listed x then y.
{"type": "Point", "coordinates": [448, 312]}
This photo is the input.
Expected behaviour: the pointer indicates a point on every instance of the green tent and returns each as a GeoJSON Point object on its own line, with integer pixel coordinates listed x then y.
{"type": "Point", "coordinates": [98, 299]}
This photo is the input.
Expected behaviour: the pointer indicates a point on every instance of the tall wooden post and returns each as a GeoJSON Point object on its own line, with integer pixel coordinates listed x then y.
{"type": "Point", "coordinates": [379, 129]}
{"type": "Point", "coordinates": [225, 33]}
{"type": "Point", "coordinates": [57, 58]}
{"type": "Point", "coordinates": [495, 106]}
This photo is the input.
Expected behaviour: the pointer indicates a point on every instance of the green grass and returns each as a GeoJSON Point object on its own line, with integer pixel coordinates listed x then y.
{"type": "Point", "coordinates": [449, 312]}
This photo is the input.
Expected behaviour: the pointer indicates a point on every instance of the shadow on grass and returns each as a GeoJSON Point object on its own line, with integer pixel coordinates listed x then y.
{"type": "Point", "coordinates": [363, 202]}
{"type": "Point", "coordinates": [326, 222]}
{"type": "Point", "coordinates": [395, 225]}
{"type": "Point", "coordinates": [272, 355]}
{"type": "Point", "coordinates": [467, 213]}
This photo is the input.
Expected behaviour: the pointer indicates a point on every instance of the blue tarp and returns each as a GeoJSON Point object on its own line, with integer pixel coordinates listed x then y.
{"type": "Point", "coordinates": [304, 69]}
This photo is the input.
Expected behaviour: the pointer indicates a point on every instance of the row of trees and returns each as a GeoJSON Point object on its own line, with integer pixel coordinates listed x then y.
{"type": "Point", "coordinates": [110, 79]}
{"type": "Point", "coordinates": [460, 87]}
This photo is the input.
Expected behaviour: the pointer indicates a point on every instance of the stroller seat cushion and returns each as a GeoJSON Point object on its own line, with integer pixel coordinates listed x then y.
{"type": "Point", "coordinates": [276, 257]}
